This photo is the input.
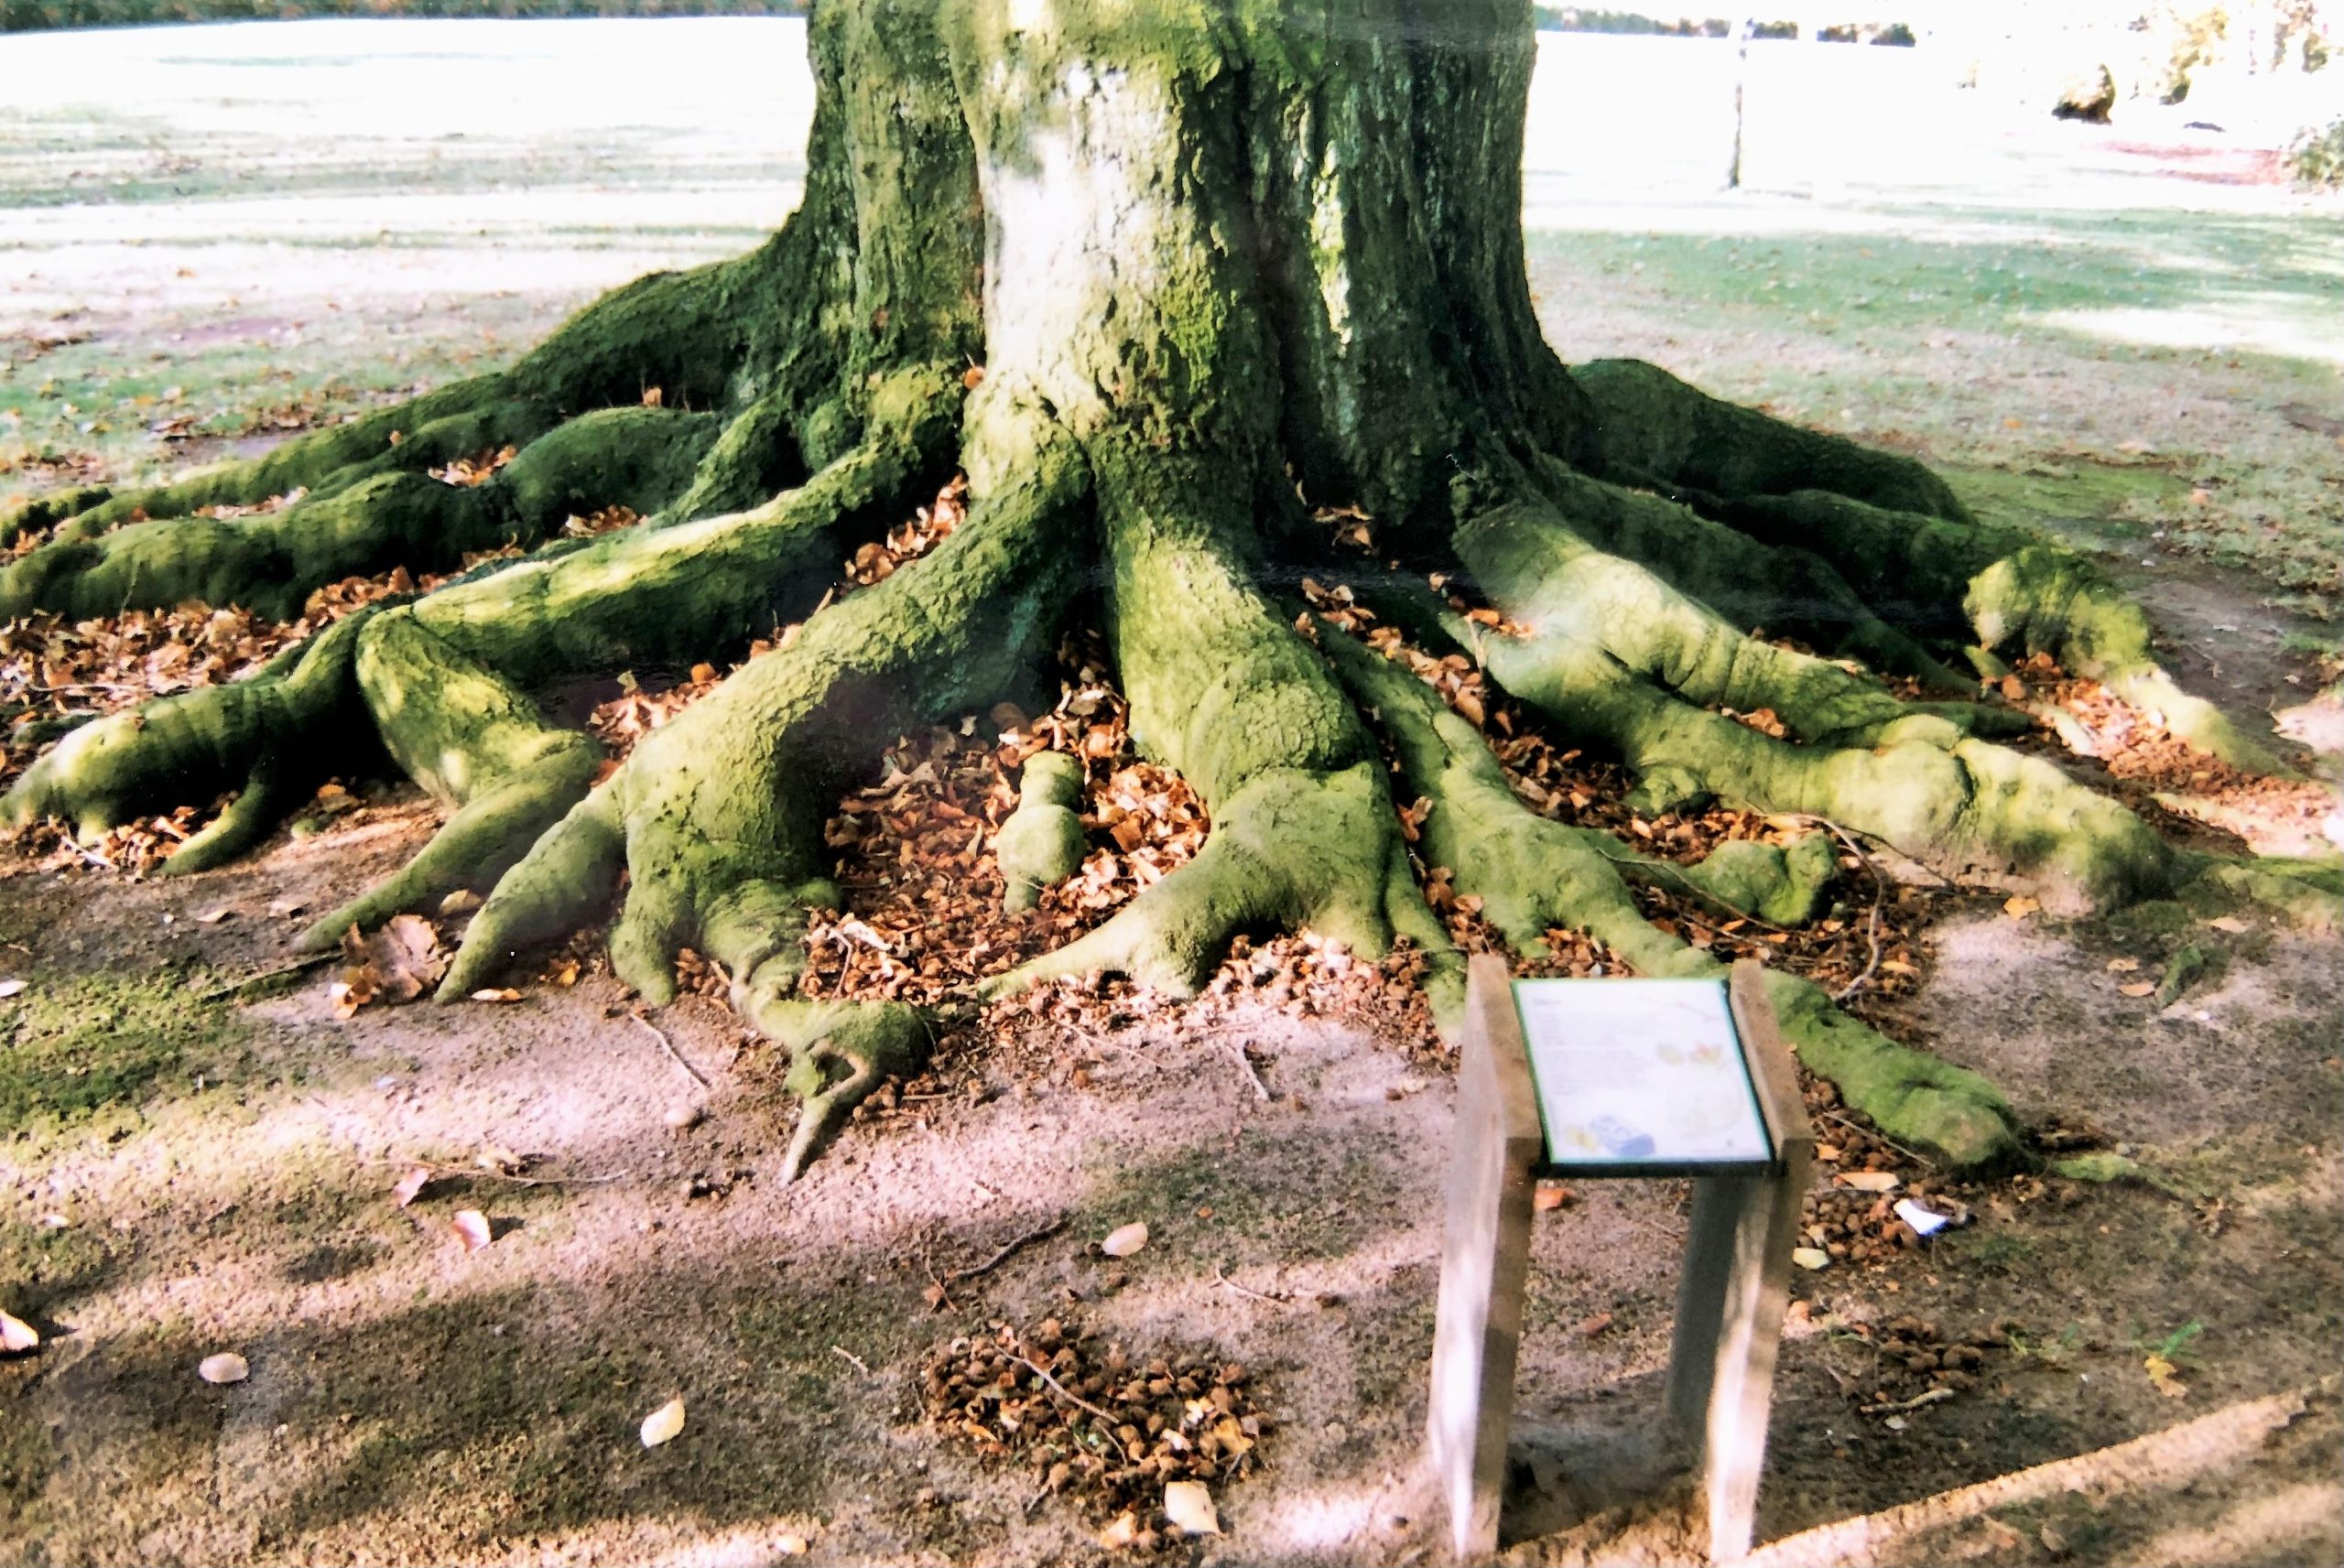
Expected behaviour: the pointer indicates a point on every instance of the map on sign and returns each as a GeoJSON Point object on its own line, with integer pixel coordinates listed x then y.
{"type": "Point", "coordinates": [1640, 1075]}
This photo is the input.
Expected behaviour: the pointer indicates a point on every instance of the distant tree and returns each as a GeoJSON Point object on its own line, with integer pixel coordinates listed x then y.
{"type": "Point", "coordinates": [32, 16]}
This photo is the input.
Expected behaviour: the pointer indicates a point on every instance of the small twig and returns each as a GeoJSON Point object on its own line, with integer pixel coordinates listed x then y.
{"type": "Point", "coordinates": [482, 1174]}
{"type": "Point", "coordinates": [1003, 1255]}
{"type": "Point", "coordinates": [928, 1267]}
{"type": "Point", "coordinates": [1734, 911]}
{"type": "Point", "coordinates": [1876, 1132]}
{"type": "Point", "coordinates": [1237, 1049]}
{"type": "Point", "coordinates": [1061, 1389]}
{"type": "Point", "coordinates": [1879, 898]}
{"type": "Point", "coordinates": [237, 988]}
{"type": "Point", "coordinates": [669, 1046]}
{"type": "Point", "coordinates": [1896, 1406]}
{"type": "Point", "coordinates": [1278, 1297]}
{"type": "Point", "coordinates": [1088, 1038]}
{"type": "Point", "coordinates": [853, 1359]}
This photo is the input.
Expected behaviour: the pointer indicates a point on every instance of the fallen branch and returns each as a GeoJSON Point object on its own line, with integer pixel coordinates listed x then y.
{"type": "Point", "coordinates": [299, 965]}
{"type": "Point", "coordinates": [1003, 1255]}
{"type": "Point", "coordinates": [669, 1046]}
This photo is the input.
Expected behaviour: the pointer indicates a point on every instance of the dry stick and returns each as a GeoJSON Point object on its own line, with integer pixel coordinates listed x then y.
{"type": "Point", "coordinates": [668, 1045]}
{"type": "Point", "coordinates": [1879, 897]}
{"type": "Point", "coordinates": [482, 1174]}
{"type": "Point", "coordinates": [928, 1267]}
{"type": "Point", "coordinates": [1284, 1298]}
{"type": "Point", "coordinates": [1237, 1049]}
{"type": "Point", "coordinates": [1003, 1255]}
{"type": "Point", "coordinates": [1656, 863]}
{"type": "Point", "coordinates": [853, 1359]}
{"type": "Point", "coordinates": [1915, 1402]}
{"type": "Point", "coordinates": [1261, 1090]}
{"type": "Point", "coordinates": [1088, 1038]}
{"type": "Point", "coordinates": [235, 987]}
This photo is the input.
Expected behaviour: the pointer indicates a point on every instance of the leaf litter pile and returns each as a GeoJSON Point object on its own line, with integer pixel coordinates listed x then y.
{"type": "Point", "coordinates": [2127, 752]}
{"type": "Point", "coordinates": [1143, 1443]}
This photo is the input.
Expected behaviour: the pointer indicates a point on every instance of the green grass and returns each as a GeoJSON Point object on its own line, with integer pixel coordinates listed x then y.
{"type": "Point", "coordinates": [72, 1047]}
{"type": "Point", "coordinates": [2027, 350]}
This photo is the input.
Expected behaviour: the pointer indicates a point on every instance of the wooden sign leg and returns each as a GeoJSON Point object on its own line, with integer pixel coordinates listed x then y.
{"type": "Point", "coordinates": [1485, 1262]}
{"type": "Point", "coordinates": [1729, 1304]}
{"type": "Point", "coordinates": [1736, 1285]}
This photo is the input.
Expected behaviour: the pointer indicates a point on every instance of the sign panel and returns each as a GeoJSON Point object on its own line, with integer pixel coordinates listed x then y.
{"type": "Point", "coordinates": [1640, 1077]}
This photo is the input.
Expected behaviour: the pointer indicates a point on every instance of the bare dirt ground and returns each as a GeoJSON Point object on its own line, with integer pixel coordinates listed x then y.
{"type": "Point", "coordinates": [196, 1162]}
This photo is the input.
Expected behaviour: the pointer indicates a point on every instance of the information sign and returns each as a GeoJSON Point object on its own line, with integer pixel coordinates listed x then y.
{"type": "Point", "coordinates": [1641, 1078]}
{"type": "Point", "coordinates": [1623, 1077]}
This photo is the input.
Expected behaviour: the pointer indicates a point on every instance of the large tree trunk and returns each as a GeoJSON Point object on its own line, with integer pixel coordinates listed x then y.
{"type": "Point", "coordinates": [1161, 278]}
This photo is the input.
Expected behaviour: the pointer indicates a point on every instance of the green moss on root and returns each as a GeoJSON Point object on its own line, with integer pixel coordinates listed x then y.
{"type": "Point", "coordinates": [1963, 807]}
{"type": "Point", "coordinates": [1652, 426]}
{"type": "Point", "coordinates": [1042, 843]}
{"type": "Point", "coordinates": [1533, 875]}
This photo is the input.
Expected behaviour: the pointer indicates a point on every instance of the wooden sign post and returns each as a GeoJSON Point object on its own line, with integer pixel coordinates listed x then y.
{"type": "Point", "coordinates": [1637, 1078]}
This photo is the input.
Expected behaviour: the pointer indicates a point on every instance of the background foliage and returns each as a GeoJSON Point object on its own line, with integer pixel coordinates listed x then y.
{"type": "Point", "coordinates": [29, 15]}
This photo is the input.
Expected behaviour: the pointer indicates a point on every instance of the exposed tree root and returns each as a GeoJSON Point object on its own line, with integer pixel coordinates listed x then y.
{"type": "Point", "coordinates": [1891, 531]}
{"type": "Point", "coordinates": [717, 817]}
{"type": "Point", "coordinates": [1651, 427]}
{"type": "Point", "coordinates": [1224, 690]}
{"type": "Point", "coordinates": [1910, 779]}
{"type": "Point", "coordinates": [480, 746]}
{"type": "Point", "coordinates": [1535, 875]}
{"type": "Point", "coordinates": [261, 734]}
{"type": "Point", "coordinates": [1042, 843]}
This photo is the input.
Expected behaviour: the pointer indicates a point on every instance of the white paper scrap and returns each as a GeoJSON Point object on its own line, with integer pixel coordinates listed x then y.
{"type": "Point", "coordinates": [1923, 1222]}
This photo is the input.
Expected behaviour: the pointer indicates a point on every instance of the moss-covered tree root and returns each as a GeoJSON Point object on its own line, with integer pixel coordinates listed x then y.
{"type": "Point", "coordinates": [1223, 689]}
{"type": "Point", "coordinates": [717, 817]}
{"type": "Point", "coordinates": [1042, 842]}
{"type": "Point", "coordinates": [1535, 875]}
{"type": "Point", "coordinates": [1641, 683]}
